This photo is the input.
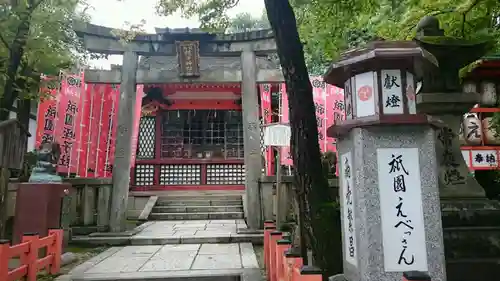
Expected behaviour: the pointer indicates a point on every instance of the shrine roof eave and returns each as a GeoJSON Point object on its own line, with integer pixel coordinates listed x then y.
{"type": "Point", "coordinates": [166, 77]}
{"type": "Point", "coordinates": [377, 55]}
{"type": "Point", "coordinates": [172, 35]}
{"type": "Point", "coordinates": [487, 68]}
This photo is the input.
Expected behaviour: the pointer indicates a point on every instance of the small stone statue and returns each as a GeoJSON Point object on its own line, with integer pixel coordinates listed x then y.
{"type": "Point", "coordinates": [45, 170]}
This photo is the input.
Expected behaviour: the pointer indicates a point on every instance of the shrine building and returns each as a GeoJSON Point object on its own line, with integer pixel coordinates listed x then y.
{"type": "Point", "coordinates": [201, 120]}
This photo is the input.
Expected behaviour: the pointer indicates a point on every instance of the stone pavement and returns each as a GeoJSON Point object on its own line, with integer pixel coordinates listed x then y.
{"type": "Point", "coordinates": [211, 261]}
{"type": "Point", "coordinates": [154, 261]}
{"type": "Point", "coordinates": [193, 232]}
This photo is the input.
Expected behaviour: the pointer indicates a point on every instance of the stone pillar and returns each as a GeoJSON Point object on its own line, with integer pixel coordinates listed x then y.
{"type": "Point", "coordinates": [388, 170]}
{"type": "Point", "coordinates": [455, 181]}
{"type": "Point", "coordinates": [442, 96]}
{"type": "Point", "coordinates": [466, 212]}
{"type": "Point", "coordinates": [121, 168]}
{"type": "Point", "coordinates": [251, 135]}
{"type": "Point", "coordinates": [387, 225]}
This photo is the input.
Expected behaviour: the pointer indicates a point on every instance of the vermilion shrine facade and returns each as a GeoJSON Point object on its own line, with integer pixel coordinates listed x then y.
{"type": "Point", "coordinates": [191, 138]}
{"type": "Point", "coordinates": [192, 129]}
{"type": "Point", "coordinates": [201, 117]}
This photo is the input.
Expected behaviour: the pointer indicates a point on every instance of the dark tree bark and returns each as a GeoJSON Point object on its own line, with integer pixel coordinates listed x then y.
{"type": "Point", "coordinates": [312, 188]}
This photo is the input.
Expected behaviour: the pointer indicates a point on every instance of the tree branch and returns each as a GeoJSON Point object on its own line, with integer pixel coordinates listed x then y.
{"type": "Point", "coordinates": [463, 24]}
{"type": "Point", "coordinates": [464, 15]}
{"type": "Point", "coordinates": [34, 4]}
{"type": "Point", "coordinates": [7, 45]}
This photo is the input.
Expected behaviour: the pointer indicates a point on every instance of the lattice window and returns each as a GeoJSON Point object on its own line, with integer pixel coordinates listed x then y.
{"type": "Point", "coordinates": [146, 141]}
{"type": "Point", "coordinates": [202, 134]}
{"type": "Point", "coordinates": [180, 174]}
{"type": "Point", "coordinates": [234, 135]}
{"type": "Point", "coordinates": [144, 175]}
{"type": "Point", "coordinates": [226, 174]}
{"type": "Point", "coordinates": [216, 126]}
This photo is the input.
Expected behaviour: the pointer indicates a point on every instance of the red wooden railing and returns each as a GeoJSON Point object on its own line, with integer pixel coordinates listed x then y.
{"type": "Point", "coordinates": [282, 264]}
{"type": "Point", "coordinates": [27, 251]}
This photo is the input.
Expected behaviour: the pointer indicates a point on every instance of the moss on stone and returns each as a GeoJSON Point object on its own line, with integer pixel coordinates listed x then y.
{"type": "Point", "coordinates": [451, 41]}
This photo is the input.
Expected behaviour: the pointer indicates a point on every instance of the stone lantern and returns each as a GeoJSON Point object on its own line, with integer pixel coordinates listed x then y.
{"type": "Point", "coordinates": [379, 84]}
{"type": "Point", "coordinates": [388, 168]}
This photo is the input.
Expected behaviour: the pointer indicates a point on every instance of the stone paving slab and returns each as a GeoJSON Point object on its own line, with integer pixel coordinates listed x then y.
{"type": "Point", "coordinates": [188, 231]}
{"type": "Point", "coordinates": [253, 274]}
{"type": "Point", "coordinates": [167, 261]}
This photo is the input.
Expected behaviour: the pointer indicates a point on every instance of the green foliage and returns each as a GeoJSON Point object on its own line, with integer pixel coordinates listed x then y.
{"type": "Point", "coordinates": [489, 180]}
{"type": "Point", "coordinates": [48, 46]}
{"type": "Point", "coordinates": [211, 13]}
{"type": "Point", "coordinates": [244, 22]}
{"type": "Point", "coordinates": [328, 27]}
{"type": "Point", "coordinates": [329, 162]}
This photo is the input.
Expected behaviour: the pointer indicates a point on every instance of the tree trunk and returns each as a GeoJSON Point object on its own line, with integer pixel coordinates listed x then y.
{"type": "Point", "coordinates": [312, 186]}
{"type": "Point", "coordinates": [4, 197]}
{"type": "Point", "coordinates": [26, 84]}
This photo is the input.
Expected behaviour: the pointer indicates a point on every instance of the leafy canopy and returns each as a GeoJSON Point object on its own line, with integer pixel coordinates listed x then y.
{"type": "Point", "coordinates": [49, 46]}
{"type": "Point", "coordinates": [244, 22]}
{"type": "Point", "coordinates": [328, 27]}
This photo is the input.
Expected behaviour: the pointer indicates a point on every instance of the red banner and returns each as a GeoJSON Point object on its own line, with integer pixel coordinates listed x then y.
{"type": "Point", "coordinates": [266, 113]}
{"type": "Point", "coordinates": [329, 103]}
{"type": "Point", "coordinates": [113, 118]}
{"type": "Point", "coordinates": [319, 99]}
{"type": "Point", "coordinates": [286, 156]}
{"type": "Point", "coordinates": [334, 112]}
{"type": "Point", "coordinates": [85, 133]}
{"type": "Point", "coordinates": [82, 119]}
{"type": "Point", "coordinates": [59, 118]}
{"type": "Point", "coordinates": [68, 122]}
{"type": "Point", "coordinates": [103, 135]}
{"type": "Point", "coordinates": [96, 100]}
{"type": "Point", "coordinates": [101, 116]}
{"type": "Point", "coordinates": [47, 110]}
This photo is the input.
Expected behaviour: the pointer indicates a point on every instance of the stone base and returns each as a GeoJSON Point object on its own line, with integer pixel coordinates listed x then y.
{"type": "Point", "coordinates": [471, 238]}
{"type": "Point", "coordinates": [38, 208]}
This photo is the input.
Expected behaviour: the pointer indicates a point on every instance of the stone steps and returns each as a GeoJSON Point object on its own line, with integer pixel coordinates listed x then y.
{"type": "Point", "coordinates": [202, 207]}
{"type": "Point", "coordinates": [196, 216]}
{"type": "Point", "coordinates": [204, 196]}
{"type": "Point", "coordinates": [197, 209]}
{"type": "Point", "coordinates": [198, 202]}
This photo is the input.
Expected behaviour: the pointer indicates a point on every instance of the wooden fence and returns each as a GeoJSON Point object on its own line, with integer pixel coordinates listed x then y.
{"type": "Point", "coordinates": [91, 202]}
{"type": "Point", "coordinates": [27, 251]}
{"type": "Point", "coordinates": [13, 140]}
{"type": "Point", "coordinates": [283, 264]}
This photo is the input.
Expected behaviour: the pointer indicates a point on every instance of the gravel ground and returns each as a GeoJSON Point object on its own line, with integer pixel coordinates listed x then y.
{"type": "Point", "coordinates": [82, 254]}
